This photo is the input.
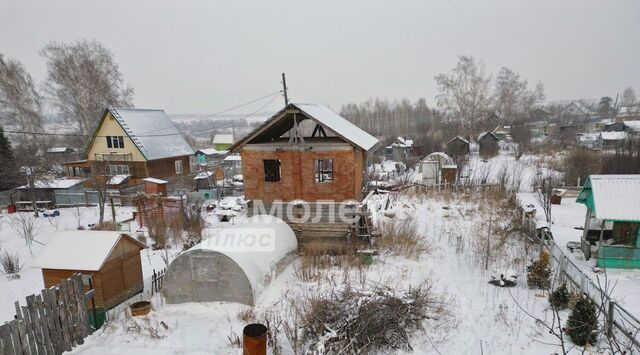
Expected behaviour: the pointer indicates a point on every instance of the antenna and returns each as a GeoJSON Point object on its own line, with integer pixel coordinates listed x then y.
{"type": "Point", "coordinates": [284, 90]}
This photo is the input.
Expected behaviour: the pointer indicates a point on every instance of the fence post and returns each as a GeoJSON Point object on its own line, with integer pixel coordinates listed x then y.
{"type": "Point", "coordinates": [563, 269]}
{"type": "Point", "coordinates": [153, 282]}
{"type": "Point", "coordinates": [583, 282]}
{"type": "Point", "coordinates": [612, 304]}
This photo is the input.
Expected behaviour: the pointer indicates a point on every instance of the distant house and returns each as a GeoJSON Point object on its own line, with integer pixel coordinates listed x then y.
{"type": "Point", "coordinates": [400, 150]}
{"type": "Point", "coordinates": [500, 132]}
{"type": "Point", "coordinates": [60, 150]}
{"type": "Point", "coordinates": [634, 126]}
{"type": "Point", "coordinates": [612, 222]}
{"type": "Point", "coordinates": [488, 144]}
{"type": "Point", "coordinates": [139, 143]}
{"type": "Point", "coordinates": [611, 140]}
{"type": "Point", "coordinates": [615, 127]}
{"type": "Point", "coordinates": [628, 113]}
{"type": "Point", "coordinates": [209, 156]}
{"type": "Point", "coordinates": [588, 140]}
{"type": "Point", "coordinates": [457, 146]}
{"type": "Point", "coordinates": [50, 192]}
{"type": "Point", "coordinates": [110, 259]}
{"type": "Point", "coordinates": [222, 141]}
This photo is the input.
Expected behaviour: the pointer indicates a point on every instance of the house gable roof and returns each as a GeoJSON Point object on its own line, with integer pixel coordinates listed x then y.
{"type": "Point", "coordinates": [322, 115]}
{"type": "Point", "coordinates": [612, 197]}
{"type": "Point", "coordinates": [152, 131]}
{"type": "Point", "coordinates": [80, 249]}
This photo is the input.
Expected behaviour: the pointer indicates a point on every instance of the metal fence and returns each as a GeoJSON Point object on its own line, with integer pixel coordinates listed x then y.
{"type": "Point", "coordinates": [617, 317]}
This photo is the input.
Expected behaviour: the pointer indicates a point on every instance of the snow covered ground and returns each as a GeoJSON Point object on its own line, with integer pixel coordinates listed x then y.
{"type": "Point", "coordinates": [483, 318]}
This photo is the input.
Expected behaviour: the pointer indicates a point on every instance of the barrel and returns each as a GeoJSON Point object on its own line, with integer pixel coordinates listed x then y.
{"type": "Point", "coordinates": [254, 339]}
{"type": "Point", "coordinates": [11, 209]}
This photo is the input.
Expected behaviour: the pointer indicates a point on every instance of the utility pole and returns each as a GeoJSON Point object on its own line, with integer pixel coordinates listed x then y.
{"type": "Point", "coordinates": [284, 91]}
{"type": "Point", "coordinates": [614, 109]}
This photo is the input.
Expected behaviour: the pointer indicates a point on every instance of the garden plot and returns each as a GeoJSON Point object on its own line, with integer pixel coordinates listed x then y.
{"type": "Point", "coordinates": [465, 314]}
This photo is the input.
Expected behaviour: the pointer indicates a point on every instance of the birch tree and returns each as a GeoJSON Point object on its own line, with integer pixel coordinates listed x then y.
{"type": "Point", "coordinates": [82, 80]}
{"type": "Point", "coordinates": [465, 92]}
{"type": "Point", "coordinates": [20, 103]}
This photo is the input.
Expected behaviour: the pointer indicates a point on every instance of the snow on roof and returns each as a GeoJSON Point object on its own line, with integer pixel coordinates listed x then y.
{"type": "Point", "coordinates": [340, 125]}
{"type": "Point", "coordinates": [154, 180]}
{"type": "Point", "coordinates": [626, 111]}
{"type": "Point", "coordinates": [63, 183]}
{"type": "Point", "coordinates": [256, 262]}
{"type": "Point", "coordinates": [633, 125]}
{"type": "Point", "coordinates": [459, 138]}
{"type": "Point", "coordinates": [153, 132]}
{"type": "Point", "coordinates": [613, 136]}
{"type": "Point", "coordinates": [59, 150]}
{"type": "Point", "coordinates": [481, 135]}
{"type": "Point", "coordinates": [118, 179]}
{"type": "Point", "coordinates": [212, 151]}
{"type": "Point", "coordinates": [588, 137]}
{"type": "Point", "coordinates": [233, 157]}
{"type": "Point", "coordinates": [79, 250]}
{"type": "Point", "coordinates": [223, 139]}
{"type": "Point", "coordinates": [203, 175]}
{"type": "Point", "coordinates": [616, 197]}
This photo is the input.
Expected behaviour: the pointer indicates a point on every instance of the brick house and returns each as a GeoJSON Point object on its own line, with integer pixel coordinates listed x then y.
{"type": "Point", "coordinates": [305, 152]}
{"type": "Point", "coordinates": [137, 143]}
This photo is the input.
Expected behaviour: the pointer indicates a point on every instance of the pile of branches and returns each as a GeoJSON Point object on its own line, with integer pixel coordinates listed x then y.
{"type": "Point", "coordinates": [376, 318]}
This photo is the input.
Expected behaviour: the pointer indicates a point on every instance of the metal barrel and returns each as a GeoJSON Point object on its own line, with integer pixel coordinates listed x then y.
{"type": "Point", "coordinates": [254, 339]}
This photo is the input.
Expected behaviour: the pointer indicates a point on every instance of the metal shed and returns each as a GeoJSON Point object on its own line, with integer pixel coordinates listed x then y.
{"type": "Point", "coordinates": [233, 264]}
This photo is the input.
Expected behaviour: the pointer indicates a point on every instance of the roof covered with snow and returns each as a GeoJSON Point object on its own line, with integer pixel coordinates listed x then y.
{"type": "Point", "coordinates": [458, 138]}
{"type": "Point", "coordinates": [118, 179]}
{"type": "Point", "coordinates": [613, 136]}
{"type": "Point", "coordinates": [233, 157]}
{"type": "Point", "coordinates": [324, 116]}
{"type": "Point", "coordinates": [212, 151]}
{"type": "Point", "coordinates": [155, 135]}
{"type": "Point", "coordinates": [612, 197]}
{"type": "Point", "coordinates": [63, 183]}
{"type": "Point", "coordinates": [79, 250]}
{"type": "Point", "coordinates": [155, 181]}
{"type": "Point", "coordinates": [203, 175]}
{"type": "Point", "coordinates": [633, 125]}
{"type": "Point", "coordinates": [220, 138]}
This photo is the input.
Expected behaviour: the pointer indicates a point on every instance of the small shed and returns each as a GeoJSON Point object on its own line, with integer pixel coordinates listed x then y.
{"type": "Point", "coordinates": [111, 259]}
{"type": "Point", "coordinates": [615, 127]}
{"type": "Point", "coordinates": [611, 140]}
{"type": "Point", "coordinates": [155, 186]}
{"type": "Point", "coordinates": [233, 264]}
{"type": "Point", "coordinates": [488, 143]}
{"type": "Point", "coordinates": [613, 201]}
{"type": "Point", "coordinates": [457, 146]}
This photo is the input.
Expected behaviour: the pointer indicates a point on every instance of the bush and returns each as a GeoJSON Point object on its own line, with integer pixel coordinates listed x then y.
{"type": "Point", "coordinates": [582, 325]}
{"type": "Point", "coordinates": [400, 237]}
{"type": "Point", "coordinates": [559, 299]}
{"type": "Point", "coordinates": [538, 273]}
{"type": "Point", "coordinates": [10, 263]}
{"type": "Point", "coordinates": [375, 318]}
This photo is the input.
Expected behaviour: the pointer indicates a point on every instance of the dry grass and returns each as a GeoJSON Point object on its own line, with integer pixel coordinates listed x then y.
{"type": "Point", "coordinates": [319, 257]}
{"type": "Point", "coordinates": [401, 237]}
{"type": "Point", "coordinates": [247, 315]}
{"type": "Point", "coordinates": [104, 226]}
{"type": "Point", "coordinates": [11, 263]}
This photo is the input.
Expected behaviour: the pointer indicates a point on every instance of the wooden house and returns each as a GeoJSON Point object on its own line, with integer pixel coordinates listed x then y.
{"type": "Point", "coordinates": [222, 142]}
{"type": "Point", "coordinates": [611, 140]}
{"type": "Point", "coordinates": [615, 127]}
{"type": "Point", "coordinates": [399, 150]}
{"type": "Point", "coordinates": [308, 153]}
{"type": "Point", "coordinates": [111, 259]}
{"type": "Point", "coordinates": [488, 144]}
{"type": "Point", "coordinates": [457, 146]}
{"type": "Point", "coordinates": [612, 222]}
{"type": "Point", "coordinates": [137, 142]}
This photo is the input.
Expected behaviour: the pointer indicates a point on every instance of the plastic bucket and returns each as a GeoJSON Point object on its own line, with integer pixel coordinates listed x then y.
{"type": "Point", "coordinates": [11, 209]}
{"type": "Point", "coordinates": [254, 339]}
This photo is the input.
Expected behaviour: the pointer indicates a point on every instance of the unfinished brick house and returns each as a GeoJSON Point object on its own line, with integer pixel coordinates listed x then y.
{"type": "Point", "coordinates": [308, 154]}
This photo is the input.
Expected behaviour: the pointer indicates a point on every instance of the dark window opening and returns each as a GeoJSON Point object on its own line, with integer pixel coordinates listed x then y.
{"type": "Point", "coordinates": [271, 170]}
{"type": "Point", "coordinates": [324, 170]}
{"type": "Point", "coordinates": [115, 142]}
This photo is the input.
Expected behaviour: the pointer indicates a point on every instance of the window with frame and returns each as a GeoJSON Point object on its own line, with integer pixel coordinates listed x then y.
{"type": "Point", "coordinates": [179, 167]}
{"type": "Point", "coordinates": [118, 170]}
{"type": "Point", "coordinates": [271, 170]}
{"type": "Point", "coordinates": [115, 141]}
{"type": "Point", "coordinates": [324, 170]}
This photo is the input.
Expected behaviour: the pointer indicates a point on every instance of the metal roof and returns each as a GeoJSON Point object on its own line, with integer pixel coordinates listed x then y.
{"type": "Point", "coordinates": [153, 132]}
{"type": "Point", "coordinates": [613, 197]}
{"type": "Point", "coordinates": [324, 116]}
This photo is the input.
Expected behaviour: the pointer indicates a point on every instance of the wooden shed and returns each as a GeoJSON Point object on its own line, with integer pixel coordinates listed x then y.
{"type": "Point", "coordinates": [457, 146]}
{"type": "Point", "coordinates": [111, 259]}
{"type": "Point", "coordinates": [488, 144]}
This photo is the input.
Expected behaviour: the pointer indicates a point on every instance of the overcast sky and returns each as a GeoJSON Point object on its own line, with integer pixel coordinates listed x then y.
{"type": "Point", "coordinates": [205, 56]}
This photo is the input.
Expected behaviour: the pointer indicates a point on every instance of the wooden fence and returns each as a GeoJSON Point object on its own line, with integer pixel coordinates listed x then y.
{"type": "Point", "coordinates": [157, 281]}
{"type": "Point", "coordinates": [52, 322]}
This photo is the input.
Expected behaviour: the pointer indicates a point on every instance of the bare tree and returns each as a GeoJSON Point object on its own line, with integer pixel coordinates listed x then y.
{"type": "Point", "coordinates": [512, 97]}
{"type": "Point", "coordinates": [521, 135]}
{"type": "Point", "coordinates": [83, 79]}
{"type": "Point", "coordinates": [464, 93]}
{"type": "Point", "coordinates": [628, 96]}
{"type": "Point", "coordinates": [20, 103]}
{"type": "Point", "coordinates": [26, 226]}
{"type": "Point", "coordinates": [99, 182]}
{"type": "Point", "coordinates": [545, 186]}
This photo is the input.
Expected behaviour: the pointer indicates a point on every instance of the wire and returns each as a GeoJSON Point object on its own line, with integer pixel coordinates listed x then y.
{"type": "Point", "coordinates": [148, 135]}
